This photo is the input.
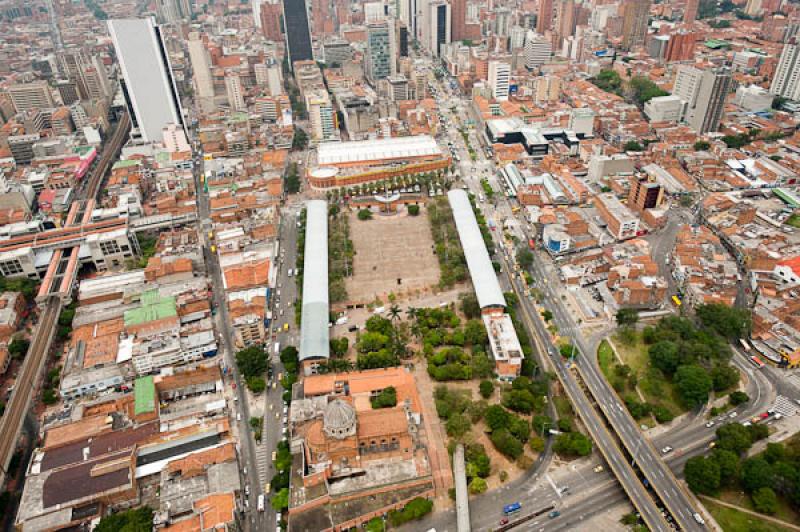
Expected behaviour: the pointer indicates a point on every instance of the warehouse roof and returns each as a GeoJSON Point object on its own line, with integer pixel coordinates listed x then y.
{"type": "Point", "coordinates": [314, 335]}
{"type": "Point", "coordinates": [154, 307]}
{"type": "Point", "coordinates": [484, 278]}
{"type": "Point", "coordinates": [332, 153]}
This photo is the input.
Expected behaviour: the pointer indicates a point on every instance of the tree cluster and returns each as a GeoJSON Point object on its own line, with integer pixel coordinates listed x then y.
{"type": "Point", "coordinates": [387, 398]}
{"type": "Point", "coordinates": [133, 520]}
{"type": "Point", "coordinates": [695, 359]}
{"type": "Point", "coordinates": [452, 264]}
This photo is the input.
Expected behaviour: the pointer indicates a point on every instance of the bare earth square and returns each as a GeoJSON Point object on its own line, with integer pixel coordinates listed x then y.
{"type": "Point", "coordinates": [388, 249]}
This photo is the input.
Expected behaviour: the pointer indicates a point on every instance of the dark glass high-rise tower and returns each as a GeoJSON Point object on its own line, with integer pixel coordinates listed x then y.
{"type": "Point", "coordinates": [298, 37]}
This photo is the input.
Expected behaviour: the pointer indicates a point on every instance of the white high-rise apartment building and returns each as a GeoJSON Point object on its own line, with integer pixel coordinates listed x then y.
{"type": "Point", "coordinates": [538, 50]}
{"type": "Point", "coordinates": [435, 26]}
{"type": "Point", "coordinates": [786, 82]}
{"type": "Point", "coordinates": [255, 5]}
{"type": "Point", "coordinates": [321, 116]}
{"type": "Point", "coordinates": [499, 79]}
{"type": "Point", "coordinates": [704, 93]}
{"type": "Point", "coordinates": [235, 92]}
{"type": "Point", "coordinates": [148, 85]}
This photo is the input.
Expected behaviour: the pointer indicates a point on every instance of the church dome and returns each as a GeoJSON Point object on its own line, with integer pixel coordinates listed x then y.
{"type": "Point", "coordinates": [339, 419]}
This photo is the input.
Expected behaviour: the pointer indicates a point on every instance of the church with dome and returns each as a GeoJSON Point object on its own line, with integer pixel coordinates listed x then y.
{"type": "Point", "coordinates": [351, 461]}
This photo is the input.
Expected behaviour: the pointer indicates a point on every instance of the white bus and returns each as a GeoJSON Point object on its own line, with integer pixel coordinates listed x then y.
{"type": "Point", "coordinates": [277, 348]}
{"type": "Point", "coordinates": [261, 503]}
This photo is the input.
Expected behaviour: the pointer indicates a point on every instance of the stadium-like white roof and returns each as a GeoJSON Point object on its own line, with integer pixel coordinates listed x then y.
{"type": "Point", "coordinates": [484, 278]}
{"type": "Point", "coordinates": [332, 153]}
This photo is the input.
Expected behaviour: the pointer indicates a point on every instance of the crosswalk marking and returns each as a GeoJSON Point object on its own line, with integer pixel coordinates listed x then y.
{"type": "Point", "coordinates": [261, 462]}
{"type": "Point", "coordinates": [784, 406]}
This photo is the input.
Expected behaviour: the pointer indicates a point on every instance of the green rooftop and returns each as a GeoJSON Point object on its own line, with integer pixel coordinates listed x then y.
{"type": "Point", "coordinates": [154, 307]}
{"type": "Point", "coordinates": [144, 395]}
{"type": "Point", "coordinates": [82, 150]}
{"type": "Point", "coordinates": [787, 197]}
{"type": "Point", "coordinates": [717, 43]}
{"type": "Point", "coordinates": [126, 164]}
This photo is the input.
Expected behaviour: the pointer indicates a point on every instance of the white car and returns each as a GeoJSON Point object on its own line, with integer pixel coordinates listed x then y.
{"type": "Point", "coordinates": [709, 424]}
{"type": "Point", "coordinates": [666, 450]}
{"type": "Point", "coordinates": [733, 414]}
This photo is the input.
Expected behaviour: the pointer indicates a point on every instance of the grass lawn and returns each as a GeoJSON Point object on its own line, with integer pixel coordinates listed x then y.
{"type": "Point", "coordinates": [784, 513]}
{"type": "Point", "coordinates": [656, 389]}
{"type": "Point", "coordinates": [605, 356]}
{"type": "Point", "coordinates": [793, 220]}
{"type": "Point", "coordinates": [634, 355]}
{"type": "Point", "coordinates": [735, 521]}
{"type": "Point", "coordinates": [563, 407]}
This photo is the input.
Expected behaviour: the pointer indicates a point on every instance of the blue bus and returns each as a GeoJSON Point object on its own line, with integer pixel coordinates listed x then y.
{"type": "Point", "coordinates": [513, 508]}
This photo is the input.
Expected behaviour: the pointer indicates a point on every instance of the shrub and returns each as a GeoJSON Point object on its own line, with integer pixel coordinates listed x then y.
{"type": "Point", "coordinates": [478, 485]}
{"type": "Point", "coordinates": [486, 388]}
{"type": "Point", "coordinates": [537, 444]}
{"type": "Point", "coordinates": [364, 214]}
{"type": "Point", "coordinates": [256, 384]}
{"type": "Point", "coordinates": [737, 398]}
{"type": "Point", "coordinates": [415, 509]}
{"type": "Point", "coordinates": [386, 399]}
{"type": "Point", "coordinates": [573, 444]}
{"type": "Point", "coordinates": [506, 443]}
{"type": "Point", "coordinates": [413, 210]}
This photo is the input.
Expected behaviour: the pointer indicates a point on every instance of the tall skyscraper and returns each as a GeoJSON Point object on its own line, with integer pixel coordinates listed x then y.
{"type": "Point", "coordinates": [544, 19]}
{"type": "Point", "coordinates": [271, 21]}
{"type": "Point", "coordinates": [380, 51]}
{"type": "Point", "coordinates": [680, 47]}
{"type": "Point", "coordinates": [786, 82]}
{"type": "Point", "coordinates": [704, 92]}
{"type": "Point", "coordinates": [298, 37]}
{"type": "Point", "coordinates": [201, 73]}
{"type": "Point", "coordinates": [255, 6]}
{"type": "Point", "coordinates": [172, 11]}
{"type": "Point", "coordinates": [690, 12]}
{"type": "Point", "coordinates": [147, 84]}
{"type": "Point", "coordinates": [567, 18]}
{"type": "Point", "coordinates": [634, 24]}
{"type": "Point", "coordinates": [436, 26]}
{"type": "Point", "coordinates": [459, 18]}
{"type": "Point", "coordinates": [499, 78]}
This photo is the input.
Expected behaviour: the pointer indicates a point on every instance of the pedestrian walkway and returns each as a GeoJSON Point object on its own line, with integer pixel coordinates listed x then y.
{"type": "Point", "coordinates": [784, 406]}
{"type": "Point", "coordinates": [262, 462]}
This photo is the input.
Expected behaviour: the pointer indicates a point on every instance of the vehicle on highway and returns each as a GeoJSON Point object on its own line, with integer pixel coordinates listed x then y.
{"type": "Point", "coordinates": [598, 469]}
{"type": "Point", "coordinates": [666, 449]}
{"type": "Point", "coordinates": [698, 518]}
{"type": "Point", "coordinates": [553, 514]}
{"type": "Point", "coordinates": [512, 508]}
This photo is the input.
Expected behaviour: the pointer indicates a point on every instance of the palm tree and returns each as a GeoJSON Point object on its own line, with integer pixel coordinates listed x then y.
{"type": "Point", "coordinates": [394, 312]}
{"type": "Point", "coordinates": [411, 313]}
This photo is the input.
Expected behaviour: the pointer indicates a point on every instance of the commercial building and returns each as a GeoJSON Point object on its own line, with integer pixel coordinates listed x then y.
{"type": "Point", "coordinates": [753, 98]}
{"type": "Point", "coordinates": [381, 51]}
{"type": "Point", "coordinates": [321, 116]}
{"type": "Point", "coordinates": [538, 50]}
{"type": "Point", "coordinates": [35, 95]}
{"type": "Point", "coordinates": [314, 335]}
{"type": "Point", "coordinates": [436, 27]}
{"type": "Point", "coordinates": [298, 35]}
{"type": "Point", "coordinates": [351, 163]}
{"type": "Point", "coordinates": [704, 92]}
{"type": "Point", "coordinates": [665, 109]}
{"type": "Point", "coordinates": [499, 78]}
{"type": "Point", "coordinates": [544, 19]}
{"type": "Point", "coordinates": [622, 223]}
{"type": "Point", "coordinates": [147, 84]}
{"type": "Point", "coordinates": [506, 350]}
{"type": "Point", "coordinates": [645, 193]}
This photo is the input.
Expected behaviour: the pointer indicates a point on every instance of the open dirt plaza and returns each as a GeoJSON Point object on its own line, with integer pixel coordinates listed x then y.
{"type": "Point", "coordinates": [393, 254]}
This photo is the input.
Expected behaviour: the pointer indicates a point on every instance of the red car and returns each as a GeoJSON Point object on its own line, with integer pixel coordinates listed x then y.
{"type": "Point", "coordinates": [764, 415]}
{"type": "Point", "coordinates": [504, 521]}
{"type": "Point", "coordinates": [234, 385]}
